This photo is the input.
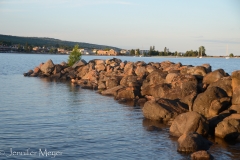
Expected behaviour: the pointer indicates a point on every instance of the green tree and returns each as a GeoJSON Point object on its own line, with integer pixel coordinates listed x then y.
{"type": "Point", "coordinates": [74, 56]}
{"type": "Point", "coordinates": [132, 52]}
{"type": "Point", "coordinates": [202, 50]}
{"type": "Point", "coordinates": [231, 55]}
{"type": "Point", "coordinates": [26, 49]}
{"type": "Point", "coordinates": [137, 52]}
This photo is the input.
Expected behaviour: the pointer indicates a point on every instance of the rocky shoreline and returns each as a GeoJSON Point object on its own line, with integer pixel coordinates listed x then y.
{"type": "Point", "coordinates": [194, 101]}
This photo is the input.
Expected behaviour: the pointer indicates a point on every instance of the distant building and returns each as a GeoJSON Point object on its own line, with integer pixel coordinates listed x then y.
{"type": "Point", "coordinates": [124, 51]}
{"type": "Point", "coordinates": [102, 52]}
{"type": "Point", "coordinates": [111, 52]}
{"type": "Point", "coordinates": [63, 51]}
{"type": "Point", "coordinates": [35, 49]}
{"type": "Point", "coordinates": [85, 51]}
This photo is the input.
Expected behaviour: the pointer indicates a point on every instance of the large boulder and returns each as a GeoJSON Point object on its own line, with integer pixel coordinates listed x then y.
{"type": "Point", "coordinates": [170, 77]}
{"type": "Point", "coordinates": [129, 81]}
{"type": "Point", "coordinates": [224, 83]}
{"type": "Point", "coordinates": [211, 102]}
{"type": "Point", "coordinates": [150, 68]}
{"type": "Point", "coordinates": [140, 71]}
{"type": "Point", "coordinates": [213, 121]}
{"type": "Point", "coordinates": [198, 70]}
{"type": "Point", "coordinates": [214, 76]}
{"type": "Point", "coordinates": [163, 109]}
{"type": "Point", "coordinates": [79, 63]}
{"type": "Point", "coordinates": [236, 96]}
{"type": "Point", "coordinates": [183, 87]}
{"type": "Point", "coordinates": [57, 69]}
{"type": "Point", "coordinates": [189, 122]}
{"type": "Point", "coordinates": [111, 82]}
{"type": "Point", "coordinates": [201, 155]}
{"type": "Point", "coordinates": [47, 67]}
{"type": "Point", "coordinates": [112, 91]}
{"type": "Point", "coordinates": [127, 93]}
{"type": "Point", "coordinates": [208, 67]}
{"type": "Point", "coordinates": [155, 78]}
{"type": "Point", "coordinates": [128, 69]}
{"type": "Point", "coordinates": [235, 108]}
{"type": "Point", "coordinates": [91, 76]}
{"type": "Point", "coordinates": [229, 128]}
{"type": "Point", "coordinates": [100, 67]}
{"type": "Point", "coordinates": [192, 142]}
{"type": "Point", "coordinates": [82, 71]}
{"type": "Point", "coordinates": [235, 79]}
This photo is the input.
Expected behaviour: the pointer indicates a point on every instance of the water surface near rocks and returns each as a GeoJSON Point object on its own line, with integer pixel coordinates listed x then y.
{"type": "Point", "coordinates": [37, 115]}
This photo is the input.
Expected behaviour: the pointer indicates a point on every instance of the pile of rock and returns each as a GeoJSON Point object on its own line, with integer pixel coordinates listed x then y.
{"type": "Point", "coordinates": [194, 100]}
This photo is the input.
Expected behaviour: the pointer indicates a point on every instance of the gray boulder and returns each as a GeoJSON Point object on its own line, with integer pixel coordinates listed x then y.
{"type": "Point", "coordinates": [192, 142]}
{"type": "Point", "coordinates": [47, 67]}
{"type": "Point", "coordinates": [189, 122]}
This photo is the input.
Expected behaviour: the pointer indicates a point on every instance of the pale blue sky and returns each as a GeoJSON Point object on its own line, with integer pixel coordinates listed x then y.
{"type": "Point", "coordinates": [179, 25]}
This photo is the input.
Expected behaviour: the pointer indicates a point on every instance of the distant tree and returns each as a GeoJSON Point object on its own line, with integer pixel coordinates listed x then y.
{"type": "Point", "coordinates": [74, 56]}
{"type": "Point", "coordinates": [202, 50]}
{"type": "Point", "coordinates": [57, 45]}
{"type": "Point", "coordinates": [165, 51]}
{"type": "Point", "coordinates": [132, 52]}
{"type": "Point", "coordinates": [106, 49]}
{"type": "Point", "coordinates": [176, 53]}
{"type": "Point", "coordinates": [26, 49]}
{"type": "Point", "coordinates": [137, 52]}
{"type": "Point", "coordinates": [231, 55]}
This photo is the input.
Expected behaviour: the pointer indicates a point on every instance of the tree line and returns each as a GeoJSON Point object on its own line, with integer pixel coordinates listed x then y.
{"type": "Point", "coordinates": [152, 52]}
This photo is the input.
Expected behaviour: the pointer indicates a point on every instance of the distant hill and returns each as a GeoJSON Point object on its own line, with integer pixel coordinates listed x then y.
{"type": "Point", "coordinates": [48, 42]}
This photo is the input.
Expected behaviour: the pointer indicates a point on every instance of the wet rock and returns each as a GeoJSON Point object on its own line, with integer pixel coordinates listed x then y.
{"type": "Point", "coordinates": [229, 128]}
{"type": "Point", "coordinates": [192, 142]}
{"type": "Point", "coordinates": [101, 85]}
{"type": "Point", "coordinates": [47, 67]}
{"type": "Point", "coordinates": [125, 93]}
{"type": "Point", "coordinates": [163, 109]}
{"type": "Point", "coordinates": [201, 155]}
{"type": "Point", "coordinates": [189, 122]}
{"type": "Point", "coordinates": [211, 102]}
{"type": "Point", "coordinates": [112, 91]}
{"type": "Point", "coordinates": [141, 102]}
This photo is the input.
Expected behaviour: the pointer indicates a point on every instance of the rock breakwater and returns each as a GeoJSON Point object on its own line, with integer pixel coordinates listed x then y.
{"type": "Point", "coordinates": [192, 99]}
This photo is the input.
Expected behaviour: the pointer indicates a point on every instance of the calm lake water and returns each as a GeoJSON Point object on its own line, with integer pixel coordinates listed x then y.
{"type": "Point", "coordinates": [40, 119]}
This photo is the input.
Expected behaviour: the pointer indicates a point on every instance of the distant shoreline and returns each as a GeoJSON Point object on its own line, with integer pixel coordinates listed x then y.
{"type": "Point", "coordinates": [118, 55]}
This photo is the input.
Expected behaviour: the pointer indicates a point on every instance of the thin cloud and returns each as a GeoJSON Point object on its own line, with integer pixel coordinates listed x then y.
{"type": "Point", "coordinates": [221, 41]}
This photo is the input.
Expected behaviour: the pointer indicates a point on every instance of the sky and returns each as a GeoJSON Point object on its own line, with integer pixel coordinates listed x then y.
{"type": "Point", "coordinates": [179, 25]}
